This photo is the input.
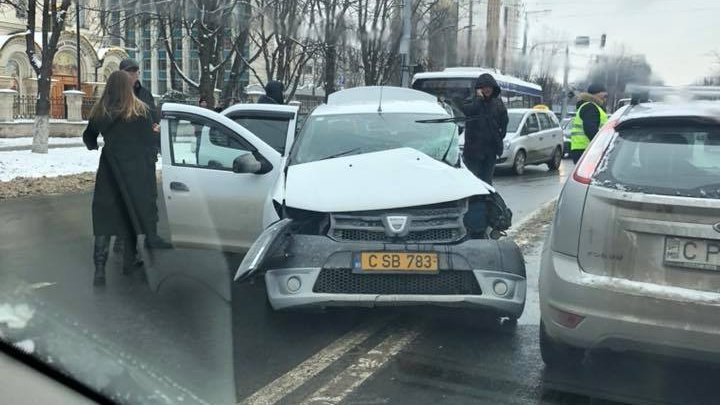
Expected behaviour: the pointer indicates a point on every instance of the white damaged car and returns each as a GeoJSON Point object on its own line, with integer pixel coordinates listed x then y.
{"type": "Point", "coordinates": [370, 206]}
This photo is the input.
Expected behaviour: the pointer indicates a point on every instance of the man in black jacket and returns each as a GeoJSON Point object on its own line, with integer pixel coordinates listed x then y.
{"type": "Point", "coordinates": [133, 69]}
{"type": "Point", "coordinates": [273, 93]}
{"type": "Point", "coordinates": [485, 128]}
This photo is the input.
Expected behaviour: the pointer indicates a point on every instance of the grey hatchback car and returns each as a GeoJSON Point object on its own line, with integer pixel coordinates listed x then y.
{"type": "Point", "coordinates": [632, 260]}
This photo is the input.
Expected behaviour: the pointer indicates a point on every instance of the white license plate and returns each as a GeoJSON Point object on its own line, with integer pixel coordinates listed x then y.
{"type": "Point", "coordinates": [693, 253]}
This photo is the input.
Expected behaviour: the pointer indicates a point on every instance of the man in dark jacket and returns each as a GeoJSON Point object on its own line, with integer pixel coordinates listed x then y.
{"type": "Point", "coordinates": [485, 128]}
{"type": "Point", "coordinates": [133, 69]}
{"type": "Point", "coordinates": [273, 93]}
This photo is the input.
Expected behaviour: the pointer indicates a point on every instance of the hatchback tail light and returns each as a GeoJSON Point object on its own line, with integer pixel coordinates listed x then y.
{"type": "Point", "coordinates": [593, 155]}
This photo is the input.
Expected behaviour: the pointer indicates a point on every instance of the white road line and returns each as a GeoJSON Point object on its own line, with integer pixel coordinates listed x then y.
{"type": "Point", "coordinates": [290, 381]}
{"type": "Point", "coordinates": [351, 378]}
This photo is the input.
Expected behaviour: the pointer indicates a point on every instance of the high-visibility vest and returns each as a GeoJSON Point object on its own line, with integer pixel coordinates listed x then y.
{"type": "Point", "coordinates": [579, 140]}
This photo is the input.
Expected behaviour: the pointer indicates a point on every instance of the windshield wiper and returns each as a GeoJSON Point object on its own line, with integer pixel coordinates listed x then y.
{"type": "Point", "coordinates": [456, 120]}
{"type": "Point", "coordinates": [336, 155]}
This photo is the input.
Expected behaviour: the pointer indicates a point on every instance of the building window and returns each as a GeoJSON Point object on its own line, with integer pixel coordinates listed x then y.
{"type": "Point", "coordinates": [147, 65]}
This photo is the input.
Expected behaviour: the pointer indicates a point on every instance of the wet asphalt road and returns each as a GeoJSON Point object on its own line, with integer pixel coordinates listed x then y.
{"type": "Point", "coordinates": [226, 352]}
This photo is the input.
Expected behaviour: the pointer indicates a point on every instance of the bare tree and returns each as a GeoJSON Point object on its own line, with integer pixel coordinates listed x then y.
{"type": "Point", "coordinates": [331, 26]}
{"type": "Point", "coordinates": [379, 35]}
{"type": "Point", "coordinates": [205, 23]}
{"type": "Point", "coordinates": [280, 34]}
{"type": "Point", "coordinates": [52, 21]}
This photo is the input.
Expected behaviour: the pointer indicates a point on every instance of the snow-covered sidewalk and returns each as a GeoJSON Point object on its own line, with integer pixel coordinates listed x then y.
{"type": "Point", "coordinates": [59, 161]}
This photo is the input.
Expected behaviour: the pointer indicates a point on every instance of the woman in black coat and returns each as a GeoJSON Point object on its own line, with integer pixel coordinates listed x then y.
{"type": "Point", "coordinates": [123, 202]}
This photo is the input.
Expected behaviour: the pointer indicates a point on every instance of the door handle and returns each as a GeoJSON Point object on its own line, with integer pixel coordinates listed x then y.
{"type": "Point", "coordinates": [177, 186]}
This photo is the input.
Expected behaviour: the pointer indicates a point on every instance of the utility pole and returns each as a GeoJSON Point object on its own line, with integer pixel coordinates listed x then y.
{"type": "Point", "coordinates": [493, 34]}
{"type": "Point", "coordinates": [563, 111]}
{"type": "Point", "coordinates": [525, 34]}
{"type": "Point", "coordinates": [77, 42]}
{"type": "Point", "coordinates": [406, 14]}
{"type": "Point", "coordinates": [470, 56]}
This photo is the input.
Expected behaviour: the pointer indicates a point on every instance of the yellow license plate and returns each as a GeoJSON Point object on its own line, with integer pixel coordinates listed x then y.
{"type": "Point", "coordinates": [397, 262]}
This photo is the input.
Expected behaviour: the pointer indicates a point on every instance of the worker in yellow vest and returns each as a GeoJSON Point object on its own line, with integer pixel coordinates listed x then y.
{"type": "Point", "coordinates": [589, 117]}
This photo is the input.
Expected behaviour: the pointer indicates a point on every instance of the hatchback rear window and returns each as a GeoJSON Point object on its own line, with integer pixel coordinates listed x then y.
{"type": "Point", "coordinates": [668, 160]}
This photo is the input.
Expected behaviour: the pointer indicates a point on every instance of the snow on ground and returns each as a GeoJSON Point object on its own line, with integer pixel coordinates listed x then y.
{"type": "Point", "coordinates": [56, 162]}
{"type": "Point", "coordinates": [27, 141]}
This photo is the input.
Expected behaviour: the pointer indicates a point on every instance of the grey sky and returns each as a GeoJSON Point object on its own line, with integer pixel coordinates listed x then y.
{"type": "Point", "coordinates": [676, 36]}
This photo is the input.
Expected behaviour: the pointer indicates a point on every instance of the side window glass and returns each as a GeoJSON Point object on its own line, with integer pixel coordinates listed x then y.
{"type": "Point", "coordinates": [544, 122]}
{"type": "Point", "coordinates": [196, 142]}
{"type": "Point", "coordinates": [272, 131]}
{"type": "Point", "coordinates": [531, 125]}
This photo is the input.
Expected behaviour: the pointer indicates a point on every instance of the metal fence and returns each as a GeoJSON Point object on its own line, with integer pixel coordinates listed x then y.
{"type": "Point", "coordinates": [24, 107]}
{"type": "Point", "coordinates": [87, 105]}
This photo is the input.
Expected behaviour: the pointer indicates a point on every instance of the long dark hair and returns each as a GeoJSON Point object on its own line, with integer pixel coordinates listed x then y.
{"type": "Point", "coordinates": [118, 99]}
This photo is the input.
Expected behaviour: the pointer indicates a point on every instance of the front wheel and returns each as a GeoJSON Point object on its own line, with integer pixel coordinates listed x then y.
{"type": "Point", "coordinates": [554, 162]}
{"type": "Point", "coordinates": [519, 162]}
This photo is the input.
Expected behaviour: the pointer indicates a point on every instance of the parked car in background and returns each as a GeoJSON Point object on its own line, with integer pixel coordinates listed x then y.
{"type": "Point", "coordinates": [632, 261]}
{"type": "Point", "coordinates": [533, 136]}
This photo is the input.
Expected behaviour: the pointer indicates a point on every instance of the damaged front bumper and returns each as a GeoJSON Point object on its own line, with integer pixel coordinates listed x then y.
{"type": "Point", "coordinates": [303, 271]}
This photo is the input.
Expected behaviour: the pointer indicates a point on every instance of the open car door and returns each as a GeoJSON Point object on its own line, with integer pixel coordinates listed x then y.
{"type": "Point", "coordinates": [217, 174]}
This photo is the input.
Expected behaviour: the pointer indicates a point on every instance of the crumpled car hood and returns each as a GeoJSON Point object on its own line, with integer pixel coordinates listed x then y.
{"type": "Point", "coordinates": [388, 179]}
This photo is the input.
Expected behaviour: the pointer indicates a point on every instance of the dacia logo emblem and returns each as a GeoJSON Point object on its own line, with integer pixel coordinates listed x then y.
{"type": "Point", "coordinates": [396, 225]}
{"type": "Point", "coordinates": [717, 227]}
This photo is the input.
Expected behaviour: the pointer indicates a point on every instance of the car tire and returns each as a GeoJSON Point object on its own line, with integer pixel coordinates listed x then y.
{"type": "Point", "coordinates": [554, 162]}
{"type": "Point", "coordinates": [556, 354]}
{"type": "Point", "coordinates": [519, 162]}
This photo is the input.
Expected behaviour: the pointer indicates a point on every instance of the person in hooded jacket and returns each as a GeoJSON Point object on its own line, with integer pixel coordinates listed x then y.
{"type": "Point", "coordinates": [124, 199]}
{"type": "Point", "coordinates": [273, 93]}
{"type": "Point", "coordinates": [487, 121]}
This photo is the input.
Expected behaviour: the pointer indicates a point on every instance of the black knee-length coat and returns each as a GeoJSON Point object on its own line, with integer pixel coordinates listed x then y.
{"type": "Point", "coordinates": [125, 186]}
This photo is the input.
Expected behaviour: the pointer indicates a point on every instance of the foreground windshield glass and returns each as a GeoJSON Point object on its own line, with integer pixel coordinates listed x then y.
{"type": "Point", "coordinates": [326, 136]}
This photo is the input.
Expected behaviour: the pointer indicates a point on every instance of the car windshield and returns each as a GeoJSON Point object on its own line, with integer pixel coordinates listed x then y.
{"type": "Point", "coordinates": [327, 136]}
{"type": "Point", "coordinates": [670, 160]}
{"type": "Point", "coordinates": [515, 118]}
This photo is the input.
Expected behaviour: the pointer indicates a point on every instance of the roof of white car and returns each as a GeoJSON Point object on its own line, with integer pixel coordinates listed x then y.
{"type": "Point", "coordinates": [706, 109]}
{"type": "Point", "coordinates": [372, 99]}
{"type": "Point", "coordinates": [527, 110]}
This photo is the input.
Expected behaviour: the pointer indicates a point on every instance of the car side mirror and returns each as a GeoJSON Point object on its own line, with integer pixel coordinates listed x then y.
{"type": "Point", "coordinates": [251, 163]}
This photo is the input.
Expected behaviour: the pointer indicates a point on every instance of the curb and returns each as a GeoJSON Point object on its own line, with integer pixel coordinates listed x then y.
{"type": "Point", "coordinates": [514, 230]}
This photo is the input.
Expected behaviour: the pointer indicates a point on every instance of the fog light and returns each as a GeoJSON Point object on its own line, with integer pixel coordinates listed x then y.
{"type": "Point", "coordinates": [500, 288]}
{"type": "Point", "coordinates": [294, 284]}
{"type": "Point", "coordinates": [566, 319]}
